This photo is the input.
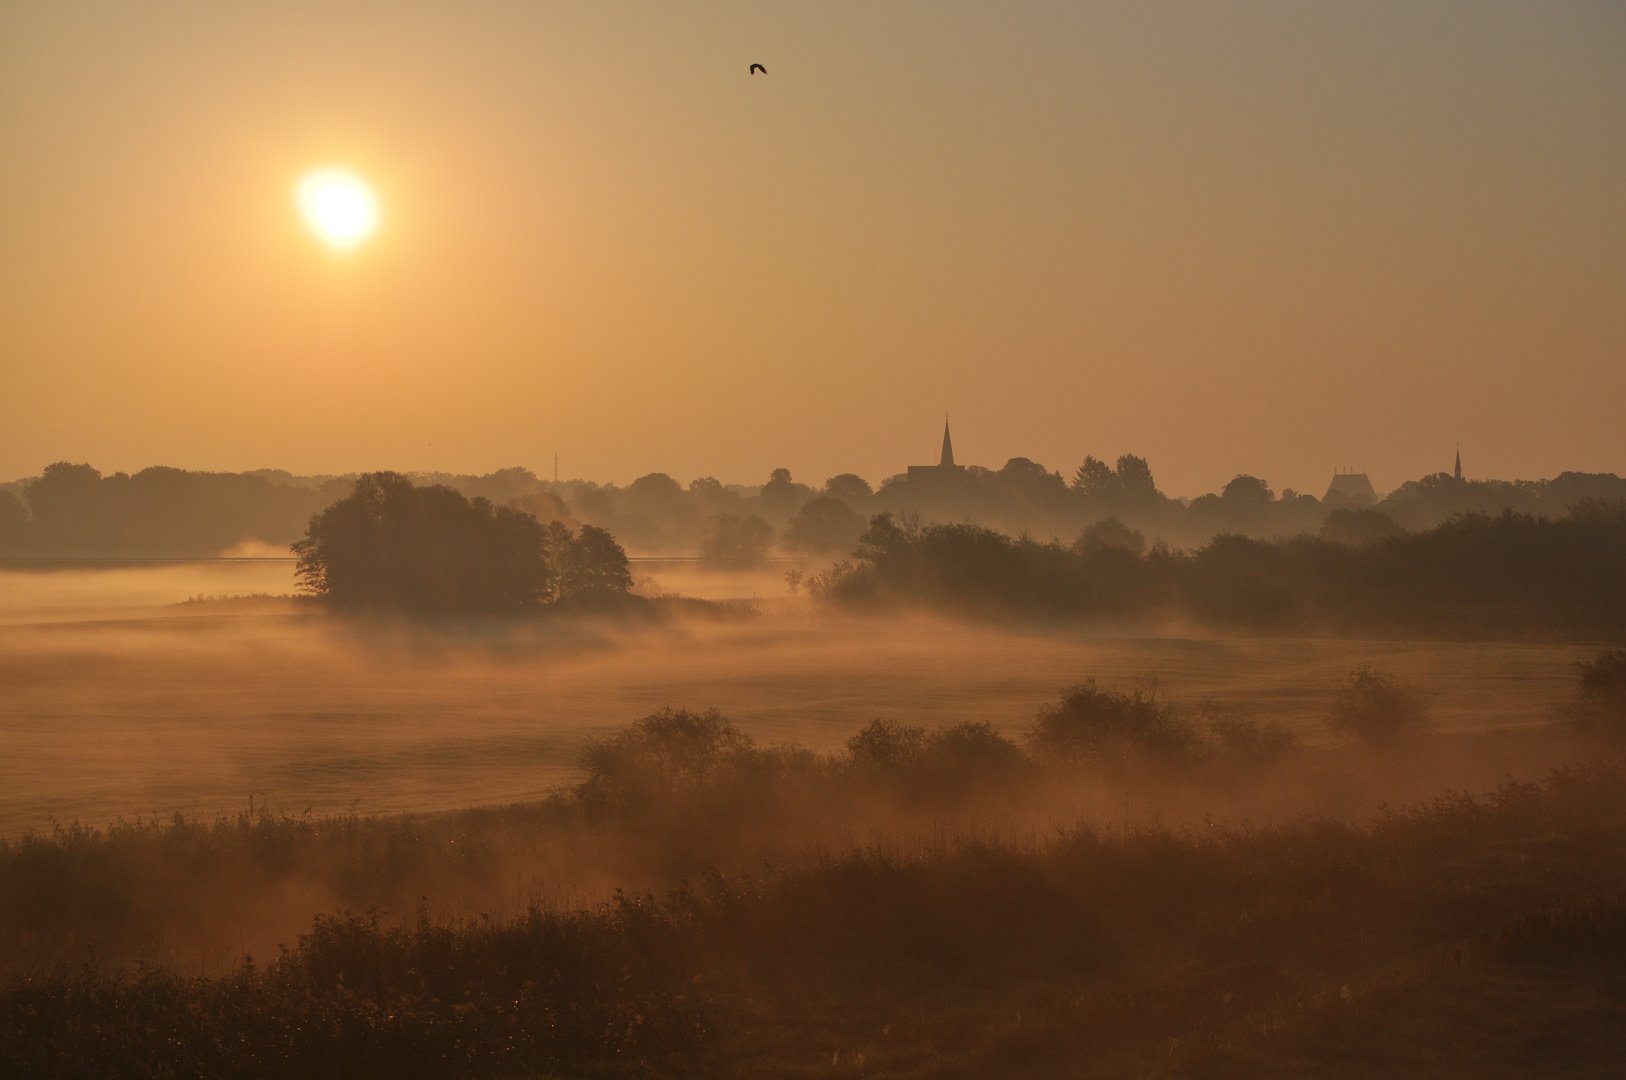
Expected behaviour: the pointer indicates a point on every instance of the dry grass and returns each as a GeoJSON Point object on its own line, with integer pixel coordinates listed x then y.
{"type": "Point", "coordinates": [1139, 953]}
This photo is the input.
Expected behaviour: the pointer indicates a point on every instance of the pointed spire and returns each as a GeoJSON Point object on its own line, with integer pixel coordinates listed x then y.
{"type": "Point", "coordinates": [1459, 463]}
{"type": "Point", "coordinates": [948, 447]}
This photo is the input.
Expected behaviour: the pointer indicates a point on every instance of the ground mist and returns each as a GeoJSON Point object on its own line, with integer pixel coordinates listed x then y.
{"type": "Point", "coordinates": [931, 901]}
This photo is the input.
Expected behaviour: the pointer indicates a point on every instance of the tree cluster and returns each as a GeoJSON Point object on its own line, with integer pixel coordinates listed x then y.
{"type": "Point", "coordinates": [1476, 575]}
{"type": "Point", "coordinates": [392, 544]}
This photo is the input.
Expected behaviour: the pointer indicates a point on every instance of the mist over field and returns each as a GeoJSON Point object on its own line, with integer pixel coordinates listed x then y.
{"type": "Point", "coordinates": [919, 541]}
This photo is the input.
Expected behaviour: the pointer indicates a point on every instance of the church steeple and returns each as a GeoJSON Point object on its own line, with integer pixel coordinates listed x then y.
{"type": "Point", "coordinates": [1459, 463]}
{"type": "Point", "coordinates": [948, 447]}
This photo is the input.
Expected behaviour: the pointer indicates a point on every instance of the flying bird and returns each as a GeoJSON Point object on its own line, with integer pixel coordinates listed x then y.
{"type": "Point", "coordinates": [758, 67]}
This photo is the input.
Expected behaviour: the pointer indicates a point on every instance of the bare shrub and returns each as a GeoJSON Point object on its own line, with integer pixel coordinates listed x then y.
{"type": "Point", "coordinates": [1375, 708]}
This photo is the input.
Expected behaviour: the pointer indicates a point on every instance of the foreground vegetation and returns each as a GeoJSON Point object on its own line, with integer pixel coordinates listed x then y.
{"type": "Point", "coordinates": [1305, 947]}
{"type": "Point", "coordinates": [969, 935]}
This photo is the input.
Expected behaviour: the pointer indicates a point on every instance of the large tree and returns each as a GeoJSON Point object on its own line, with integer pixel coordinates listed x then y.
{"type": "Point", "coordinates": [427, 550]}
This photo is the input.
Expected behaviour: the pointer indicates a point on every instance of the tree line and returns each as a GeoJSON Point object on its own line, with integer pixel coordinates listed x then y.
{"type": "Point", "coordinates": [74, 510]}
{"type": "Point", "coordinates": [1475, 575]}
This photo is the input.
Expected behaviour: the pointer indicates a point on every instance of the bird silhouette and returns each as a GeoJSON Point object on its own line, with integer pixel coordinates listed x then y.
{"type": "Point", "coordinates": [758, 67]}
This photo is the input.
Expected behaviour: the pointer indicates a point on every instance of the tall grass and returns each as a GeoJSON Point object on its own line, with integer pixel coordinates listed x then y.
{"type": "Point", "coordinates": [1109, 943]}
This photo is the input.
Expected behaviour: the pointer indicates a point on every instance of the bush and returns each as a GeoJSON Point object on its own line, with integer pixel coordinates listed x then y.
{"type": "Point", "coordinates": [942, 764]}
{"type": "Point", "coordinates": [1091, 723]}
{"type": "Point", "coordinates": [1245, 739]}
{"type": "Point", "coordinates": [887, 744]}
{"type": "Point", "coordinates": [1374, 708]}
{"type": "Point", "coordinates": [664, 756]}
{"type": "Point", "coordinates": [676, 761]}
{"type": "Point", "coordinates": [1601, 691]}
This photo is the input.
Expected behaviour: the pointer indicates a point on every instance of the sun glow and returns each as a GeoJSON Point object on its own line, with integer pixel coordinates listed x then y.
{"type": "Point", "coordinates": [338, 206]}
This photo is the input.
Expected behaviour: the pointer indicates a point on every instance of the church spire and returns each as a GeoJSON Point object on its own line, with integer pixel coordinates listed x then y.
{"type": "Point", "coordinates": [1459, 463]}
{"type": "Point", "coordinates": [948, 447]}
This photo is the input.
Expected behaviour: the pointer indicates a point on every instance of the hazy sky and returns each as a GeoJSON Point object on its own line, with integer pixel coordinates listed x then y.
{"type": "Point", "coordinates": [1268, 238]}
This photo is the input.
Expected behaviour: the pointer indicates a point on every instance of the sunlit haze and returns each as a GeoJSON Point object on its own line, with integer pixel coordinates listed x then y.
{"type": "Point", "coordinates": [338, 207]}
{"type": "Point", "coordinates": [1264, 238]}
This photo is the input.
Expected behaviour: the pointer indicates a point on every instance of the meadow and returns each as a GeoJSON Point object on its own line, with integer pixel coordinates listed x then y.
{"type": "Point", "coordinates": [120, 700]}
{"type": "Point", "coordinates": [239, 836]}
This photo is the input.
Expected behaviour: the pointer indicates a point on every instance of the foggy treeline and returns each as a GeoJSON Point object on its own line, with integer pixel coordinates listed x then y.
{"type": "Point", "coordinates": [73, 510]}
{"type": "Point", "coordinates": [1476, 574]}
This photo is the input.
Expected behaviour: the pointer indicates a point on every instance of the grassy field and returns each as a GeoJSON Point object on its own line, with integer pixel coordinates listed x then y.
{"type": "Point", "coordinates": [119, 702]}
{"type": "Point", "coordinates": [430, 884]}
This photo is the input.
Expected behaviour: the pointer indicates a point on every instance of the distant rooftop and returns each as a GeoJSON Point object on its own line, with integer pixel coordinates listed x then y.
{"type": "Point", "coordinates": [1351, 487]}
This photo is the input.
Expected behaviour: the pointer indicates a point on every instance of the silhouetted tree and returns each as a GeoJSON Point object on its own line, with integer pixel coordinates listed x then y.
{"type": "Point", "coordinates": [781, 495]}
{"type": "Point", "coordinates": [1135, 478]}
{"type": "Point", "coordinates": [1033, 481]}
{"type": "Point", "coordinates": [743, 541]}
{"type": "Point", "coordinates": [824, 525]}
{"type": "Point", "coordinates": [544, 506]}
{"type": "Point", "coordinates": [1247, 491]}
{"type": "Point", "coordinates": [71, 515]}
{"type": "Point", "coordinates": [161, 511]}
{"type": "Point", "coordinates": [13, 521]}
{"type": "Point", "coordinates": [1601, 691]}
{"type": "Point", "coordinates": [1095, 478]}
{"type": "Point", "coordinates": [428, 550]}
{"type": "Point", "coordinates": [849, 487]}
{"type": "Point", "coordinates": [1110, 533]}
{"type": "Point", "coordinates": [1347, 526]}
{"type": "Point", "coordinates": [595, 570]}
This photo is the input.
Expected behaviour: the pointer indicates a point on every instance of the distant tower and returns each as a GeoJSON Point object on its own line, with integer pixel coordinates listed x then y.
{"type": "Point", "coordinates": [944, 472]}
{"type": "Point", "coordinates": [1459, 463]}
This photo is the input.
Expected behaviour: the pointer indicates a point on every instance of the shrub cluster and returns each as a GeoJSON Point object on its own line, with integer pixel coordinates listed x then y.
{"type": "Point", "coordinates": [676, 760]}
{"type": "Point", "coordinates": [1600, 692]}
{"type": "Point", "coordinates": [544, 994]}
{"type": "Point", "coordinates": [1374, 708]}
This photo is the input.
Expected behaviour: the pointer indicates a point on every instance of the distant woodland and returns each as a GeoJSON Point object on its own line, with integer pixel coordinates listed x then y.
{"type": "Point", "coordinates": [1475, 575]}
{"type": "Point", "coordinates": [75, 511]}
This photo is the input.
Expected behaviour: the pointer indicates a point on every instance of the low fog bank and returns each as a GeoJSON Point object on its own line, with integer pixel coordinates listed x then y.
{"type": "Point", "coordinates": [199, 706]}
{"type": "Point", "coordinates": [681, 794]}
{"type": "Point", "coordinates": [899, 845]}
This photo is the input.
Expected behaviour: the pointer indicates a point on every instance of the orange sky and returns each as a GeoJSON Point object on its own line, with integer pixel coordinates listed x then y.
{"type": "Point", "coordinates": [1270, 238]}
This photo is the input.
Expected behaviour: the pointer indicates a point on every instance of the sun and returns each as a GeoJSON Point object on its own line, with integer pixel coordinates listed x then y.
{"type": "Point", "coordinates": [338, 206]}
